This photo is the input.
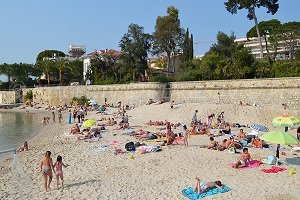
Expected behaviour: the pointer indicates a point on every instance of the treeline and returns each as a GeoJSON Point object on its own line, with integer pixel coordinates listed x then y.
{"type": "Point", "coordinates": [225, 60]}
{"type": "Point", "coordinates": [228, 60]}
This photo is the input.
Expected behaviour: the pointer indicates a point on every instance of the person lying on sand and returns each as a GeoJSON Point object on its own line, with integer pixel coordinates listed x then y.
{"type": "Point", "coordinates": [245, 157]}
{"type": "Point", "coordinates": [223, 145]}
{"type": "Point", "coordinates": [257, 143]}
{"type": "Point", "coordinates": [212, 144]}
{"type": "Point", "coordinates": [232, 143]}
{"type": "Point", "coordinates": [204, 187]}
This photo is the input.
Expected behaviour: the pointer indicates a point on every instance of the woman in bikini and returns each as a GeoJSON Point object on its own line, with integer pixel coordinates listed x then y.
{"type": "Point", "coordinates": [46, 166]}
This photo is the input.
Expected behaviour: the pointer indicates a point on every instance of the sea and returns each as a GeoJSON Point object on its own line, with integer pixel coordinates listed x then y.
{"type": "Point", "coordinates": [15, 128]}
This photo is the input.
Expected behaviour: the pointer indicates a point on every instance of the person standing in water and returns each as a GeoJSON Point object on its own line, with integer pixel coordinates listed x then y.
{"type": "Point", "coordinates": [46, 166]}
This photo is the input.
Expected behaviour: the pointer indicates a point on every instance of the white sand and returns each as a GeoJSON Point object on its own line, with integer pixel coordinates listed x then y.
{"type": "Point", "coordinates": [161, 175]}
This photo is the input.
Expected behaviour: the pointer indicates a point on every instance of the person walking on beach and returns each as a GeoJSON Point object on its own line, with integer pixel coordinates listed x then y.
{"type": "Point", "coordinates": [185, 136]}
{"type": "Point", "coordinates": [74, 115]}
{"type": "Point", "coordinates": [194, 119]}
{"type": "Point", "coordinates": [53, 117]}
{"type": "Point", "coordinates": [59, 173]}
{"type": "Point", "coordinates": [46, 166]}
{"type": "Point", "coordinates": [59, 116]}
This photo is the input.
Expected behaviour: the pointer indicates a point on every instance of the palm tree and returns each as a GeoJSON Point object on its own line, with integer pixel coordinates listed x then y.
{"type": "Point", "coordinates": [61, 64]}
{"type": "Point", "coordinates": [46, 66]}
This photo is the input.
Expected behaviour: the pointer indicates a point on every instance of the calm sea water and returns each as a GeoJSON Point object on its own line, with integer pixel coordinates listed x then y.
{"type": "Point", "coordinates": [15, 128]}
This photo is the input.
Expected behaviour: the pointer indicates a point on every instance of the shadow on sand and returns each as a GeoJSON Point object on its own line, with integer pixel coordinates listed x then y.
{"type": "Point", "coordinates": [81, 183]}
{"type": "Point", "coordinates": [293, 161]}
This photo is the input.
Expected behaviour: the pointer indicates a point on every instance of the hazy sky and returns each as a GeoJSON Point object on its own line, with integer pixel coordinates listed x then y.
{"type": "Point", "coordinates": [31, 26]}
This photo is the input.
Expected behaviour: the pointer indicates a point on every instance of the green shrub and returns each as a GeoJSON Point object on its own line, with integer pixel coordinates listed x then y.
{"type": "Point", "coordinates": [161, 78]}
{"type": "Point", "coordinates": [28, 95]}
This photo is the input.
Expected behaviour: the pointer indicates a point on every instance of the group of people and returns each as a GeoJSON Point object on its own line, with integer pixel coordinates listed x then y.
{"type": "Point", "coordinates": [47, 167]}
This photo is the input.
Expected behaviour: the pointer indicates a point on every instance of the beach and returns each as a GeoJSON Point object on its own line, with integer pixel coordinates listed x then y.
{"type": "Point", "coordinates": [100, 174]}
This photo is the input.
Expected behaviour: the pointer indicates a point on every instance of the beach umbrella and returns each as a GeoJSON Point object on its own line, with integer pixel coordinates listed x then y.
{"type": "Point", "coordinates": [92, 102]}
{"type": "Point", "coordinates": [259, 127]}
{"type": "Point", "coordinates": [89, 123]}
{"type": "Point", "coordinates": [285, 121]}
{"type": "Point", "coordinates": [280, 138]}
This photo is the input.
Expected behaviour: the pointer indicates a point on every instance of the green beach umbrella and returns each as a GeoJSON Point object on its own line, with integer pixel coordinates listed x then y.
{"type": "Point", "coordinates": [279, 137]}
{"type": "Point", "coordinates": [285, 121]}
{"type": "Point", "coordinates": [89, 123]}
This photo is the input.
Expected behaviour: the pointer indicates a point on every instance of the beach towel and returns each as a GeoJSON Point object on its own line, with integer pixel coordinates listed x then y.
{"type": "Point", "coordinates": [273, 170]}
{"type": "Point", "coordinates": [101, 148]}
{"type": "Point", "coordinates": [190, 194]}
{"type": "Point", "coordinates": [251, 164]}
{"type": "Point", "coordinates": [114, 142]}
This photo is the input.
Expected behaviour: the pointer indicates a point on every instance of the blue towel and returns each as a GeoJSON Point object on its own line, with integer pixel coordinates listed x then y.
{"type": "Point", "coordinates": [189, 192]}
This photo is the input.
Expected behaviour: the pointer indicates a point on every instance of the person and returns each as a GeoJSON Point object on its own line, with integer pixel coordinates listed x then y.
{"type": "Point", "coordinates": [241, 135]}
{"type": "Point", "coordinates": [172, 104]}
{"type": "Point", "coordinates": [245, 157]}
{"type": "Point", "coordinates": [185, 136]}
{"type": "Point", "coordinates": [209, 120]}
{"type": "Point", "coordinates": [194, 119]}
{"type": "Point", "coordinates": [70, 117]}
{"type": "Point", "coordinates": [223, 145]}
{"type": "Point", "coordinates": [168, 132]}
{"type": "Point", "coordinates": [221, 119]}
{"type": "Point", "coordinates": [53, 116]}
{"type": "Point", "coordinates": [204, 187]}
{"type": "Point", "coordinates": [74, 115]}
{"type": "Point", "coordinates": [75, 130]}
{"type": "Point", "coordinates": [212, 144]}
{"type": "Point", "coordinates": [298, 133]}
{"type": "Point", "coordinates": [59, 173]}
{"type": "Point", "coordinates": [256, 142]}
{"type": "Point", "coordinates": [231, 143]}
{"type": "Point", "coordinates": [46, 166]}
{"type": "Point", "coordinates": [24, 147]}
{"type": "Point", "coordinates": [59, 116]}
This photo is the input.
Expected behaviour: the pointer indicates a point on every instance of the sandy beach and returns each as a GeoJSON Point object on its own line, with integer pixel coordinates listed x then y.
{"type": "Point", "coordinates": [94, 174]}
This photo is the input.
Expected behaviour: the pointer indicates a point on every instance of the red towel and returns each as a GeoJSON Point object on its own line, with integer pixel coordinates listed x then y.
{"type": "Point", "coordinates": [274, 169]}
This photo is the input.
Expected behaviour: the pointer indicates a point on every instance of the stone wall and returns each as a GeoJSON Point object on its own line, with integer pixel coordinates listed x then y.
{"type": "Point", "coordinates": [259, 91]}
{"type": "Point", "coordinates": [130, 93]}
{"type": "Point", "coordinates": [7, 97]}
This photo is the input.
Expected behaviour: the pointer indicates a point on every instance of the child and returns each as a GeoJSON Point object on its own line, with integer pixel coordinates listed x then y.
{"type": "Point", "coordinates": [59, 173]}
{"type": "Point", "coordinates": [245, 157]}
{"type": "Point", "coordinates": [185, 136]}
{"type": "Point", "coordinates": [204, 187]}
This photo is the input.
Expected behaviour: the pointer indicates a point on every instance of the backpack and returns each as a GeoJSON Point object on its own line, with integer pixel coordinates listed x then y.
{"type": "Point", "coordinates": [130, 146]}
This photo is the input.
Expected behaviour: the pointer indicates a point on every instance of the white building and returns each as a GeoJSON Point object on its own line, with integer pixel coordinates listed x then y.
{"type": "Point", "coordinates": [253, 45]}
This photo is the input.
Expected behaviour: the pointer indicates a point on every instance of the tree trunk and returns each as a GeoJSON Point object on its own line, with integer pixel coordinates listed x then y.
{"type": "Point", "coordinates": [48, 77]}
{"type": "Point", "coordinates": [258, 33]}
{"type": "Point", "coordinates": [60, 75]}
{"type": "Point", "coordinates": [168, 63]}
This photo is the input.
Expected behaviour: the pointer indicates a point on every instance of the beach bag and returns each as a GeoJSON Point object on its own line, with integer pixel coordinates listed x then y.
{"type": "Point", "coordinates": [130, 146]}
{"type": "Point", "coordinates": [271, 160]}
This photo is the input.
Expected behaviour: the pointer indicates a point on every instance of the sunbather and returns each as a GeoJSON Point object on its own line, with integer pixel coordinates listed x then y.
{"type": "Point", "coordinates": [241, 135]}
{"type": "Point", "coordinates": [204, 187]}
{"type": "Point", "coordinates": [245, 157]}
{"type": "Point", "coordinates": [212, 144]}
{"type": "Point", "coordinates": [223, 145]}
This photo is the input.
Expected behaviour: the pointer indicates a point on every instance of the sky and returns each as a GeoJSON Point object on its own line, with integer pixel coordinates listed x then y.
{"type": "Point", "coordinates": [30, 26]}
